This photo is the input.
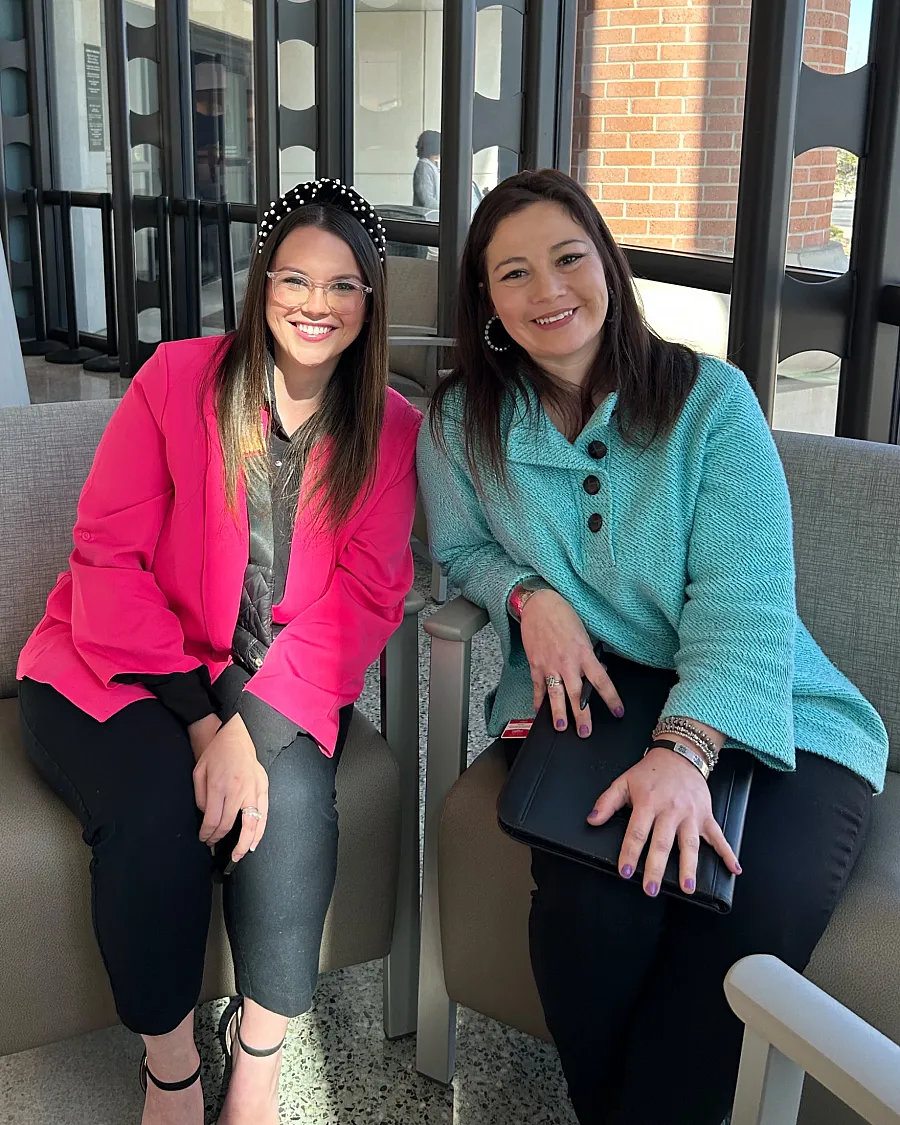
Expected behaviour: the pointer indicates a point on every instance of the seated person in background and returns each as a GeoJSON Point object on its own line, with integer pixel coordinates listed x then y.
{"type": "Point", "coordinates": [241, 557]}
{"type": "Point", "coordinates": [585, 480]}
{"type": "Point", "coordinates": [427, 175]}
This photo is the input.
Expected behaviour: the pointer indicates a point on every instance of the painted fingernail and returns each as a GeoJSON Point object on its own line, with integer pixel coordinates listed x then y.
{"type": "Point", "coordinates": [594, 815]}
{"type": "Point", "coordinates": [739, 869]}
{"type": "Point", "coordinates": [560, 724]}
{"type": "Point", "coordinates": [583, 731]}
{"type": "Point", "coordinates": [619, 712]}
{"type": "Point", "coordinates": [627, 871]}
{"type": "Point", "coordinates": [653, 889]}
{"type": "Point", "coordinates": [689, 885]}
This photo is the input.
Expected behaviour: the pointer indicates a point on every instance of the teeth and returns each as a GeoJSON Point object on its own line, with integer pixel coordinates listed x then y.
{"type": "Point", "coordinates": [315, 329]}
{"type": "Point", "coordinates": [554, 319]}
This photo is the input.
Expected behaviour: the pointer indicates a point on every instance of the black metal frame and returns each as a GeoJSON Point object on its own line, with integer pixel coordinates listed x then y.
{"type": "Point", "coordinates": [870, 377]}
{"type": "Point", "coordinates": [334, 88]}
{"type": "Point", "coordinates": [457, 107]}
{"type": "Point", "coordinates": [549, 83]}
{"type": "Point", "coordinates": [265, 100]}
{"type": "Point", "coordinates": [764, 198]}
{"type": "Point", "coordinates": [120, 160]}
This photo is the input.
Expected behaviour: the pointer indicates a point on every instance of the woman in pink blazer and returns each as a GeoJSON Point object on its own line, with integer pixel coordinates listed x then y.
{"type": "Point", "coordinates": [241, 555]}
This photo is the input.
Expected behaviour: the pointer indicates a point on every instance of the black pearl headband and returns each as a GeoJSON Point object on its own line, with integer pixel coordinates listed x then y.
{"type": "Point", "coordinates": [332, 192]}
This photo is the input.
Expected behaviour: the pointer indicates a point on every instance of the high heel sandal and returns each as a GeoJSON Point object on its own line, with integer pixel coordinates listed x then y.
{"type": "Point", "coordinates": [169, 1087]}
{"type": "Point", "coordinates": [230, 1033]}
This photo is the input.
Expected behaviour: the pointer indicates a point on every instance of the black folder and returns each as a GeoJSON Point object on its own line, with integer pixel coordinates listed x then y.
{"type": "Point", "coordinates": [557, 777]}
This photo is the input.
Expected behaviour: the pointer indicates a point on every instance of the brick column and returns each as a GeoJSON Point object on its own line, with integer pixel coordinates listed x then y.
{"type": "Point", "coordinates": [658, 116]}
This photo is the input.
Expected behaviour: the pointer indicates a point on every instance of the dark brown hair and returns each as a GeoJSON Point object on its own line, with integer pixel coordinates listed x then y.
{"type": "Point", "coordinates": [347, 426]}
{"type": "Point", "coordinates": [652, 376]}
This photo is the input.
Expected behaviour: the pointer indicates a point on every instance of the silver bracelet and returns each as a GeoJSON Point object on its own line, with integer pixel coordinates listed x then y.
{"type": "Point", "coordinates": [686, 752]}
{"type": "Point", "coordinates": [684, 728]}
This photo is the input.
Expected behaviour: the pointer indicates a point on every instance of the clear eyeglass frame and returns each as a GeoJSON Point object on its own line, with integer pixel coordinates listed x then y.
{"type": "Point", "coordinates": [340, 300]}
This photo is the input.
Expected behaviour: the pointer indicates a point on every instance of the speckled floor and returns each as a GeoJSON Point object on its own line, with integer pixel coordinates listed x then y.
{"type": "Point", "coordinates": [338, 1067]}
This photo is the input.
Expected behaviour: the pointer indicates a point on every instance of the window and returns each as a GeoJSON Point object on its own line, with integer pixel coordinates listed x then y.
{"type": "Point", "coordinates": [659, 102]}
{"type": "Point", "coordinates": [398, 106]}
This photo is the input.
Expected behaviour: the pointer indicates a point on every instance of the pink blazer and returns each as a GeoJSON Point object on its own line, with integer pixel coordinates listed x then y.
{"type": "Point", "coordinates": [155, 577]}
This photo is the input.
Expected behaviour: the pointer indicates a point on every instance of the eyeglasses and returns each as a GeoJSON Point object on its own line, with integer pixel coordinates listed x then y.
{"type": "Point", "coordinates": [293, 290]}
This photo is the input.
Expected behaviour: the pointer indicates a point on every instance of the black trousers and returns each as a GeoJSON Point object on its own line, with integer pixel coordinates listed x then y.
{"type": "Point", "coordinates": [129, 781]}
{"type": "Point", "coordinates": [631, 986]}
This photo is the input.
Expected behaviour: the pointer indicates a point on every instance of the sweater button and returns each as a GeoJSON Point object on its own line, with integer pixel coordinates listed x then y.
{"type": "Point", "coordinates": [595, 522]}
{"type": "Point", "coordinates": [597, 450]}
{"type": "Point", "coordinates": [86, 536]}
{"type": "Point", "coordinates": [592, 485]}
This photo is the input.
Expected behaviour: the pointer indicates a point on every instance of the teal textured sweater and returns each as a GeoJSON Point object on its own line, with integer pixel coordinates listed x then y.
{"type": "Point", "coordinates": [692, 567]}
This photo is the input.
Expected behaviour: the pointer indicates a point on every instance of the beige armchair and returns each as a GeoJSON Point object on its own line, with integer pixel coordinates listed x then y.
{"type": "Point", "coordinates": [476, 884]}
{"type": "Point", "coordinates": [53, 984]}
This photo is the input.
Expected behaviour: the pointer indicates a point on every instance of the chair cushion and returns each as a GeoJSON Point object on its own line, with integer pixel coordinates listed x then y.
{"type": "Point", "coordinates": [847, 547]}
{"type": "Point", "coordinates": [858, 959]}
{"type": "Point", "coordinates": [53, 978]}
{"type": "Point", "coordinates": [485, 895]}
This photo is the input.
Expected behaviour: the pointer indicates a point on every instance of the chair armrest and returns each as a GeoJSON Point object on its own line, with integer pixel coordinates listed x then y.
{"type": "Point", "coordinates": [421, 342]}
{"type": "Point", "coordinates": [459, 620]}
{"type": "Point", "coordinates": [451, 630]}
{"type": "Point", "coordinates": [414, 604]}
{"type": "Point", "coordinates": [818, 1035]}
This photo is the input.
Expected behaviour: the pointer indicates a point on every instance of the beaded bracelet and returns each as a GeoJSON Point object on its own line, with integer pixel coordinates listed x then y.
{"type": "Point", "coordinates": [684, 728]}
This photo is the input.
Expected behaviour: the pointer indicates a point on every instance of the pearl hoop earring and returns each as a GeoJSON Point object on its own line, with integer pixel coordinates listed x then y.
{"type": "Point", "coordinates": [487, 336]}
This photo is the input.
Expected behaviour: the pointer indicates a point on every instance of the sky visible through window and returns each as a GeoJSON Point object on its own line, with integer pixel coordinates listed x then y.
{"type": "Point", "coordinates": [858, 45]}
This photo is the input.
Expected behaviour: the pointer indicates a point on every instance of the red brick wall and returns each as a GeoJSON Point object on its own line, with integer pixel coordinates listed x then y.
{"type": "Point", "coordinates": [658, 116]}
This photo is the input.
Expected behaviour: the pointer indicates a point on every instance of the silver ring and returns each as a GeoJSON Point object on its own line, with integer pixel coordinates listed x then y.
{"type": "Point", "coordinates": [252, 810]}
{"type": "Point", "coordinates": [553, 681]}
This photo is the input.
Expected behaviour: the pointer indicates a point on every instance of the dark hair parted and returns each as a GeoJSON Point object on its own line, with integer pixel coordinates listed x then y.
{"type": "Point", "coordinates": [347, 426]}
{"type": "Point", "coordinates": [652, 376]}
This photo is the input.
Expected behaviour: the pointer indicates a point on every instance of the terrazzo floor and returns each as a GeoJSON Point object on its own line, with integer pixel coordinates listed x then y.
{"type": "Point", "coordinates": [338, 1067]}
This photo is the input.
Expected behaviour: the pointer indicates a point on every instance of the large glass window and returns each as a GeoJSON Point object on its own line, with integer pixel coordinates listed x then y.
{"type": "Point", "coordinates": [499, 44]}
{"type": "Point", "coordinates": [659, 103]}
{"type": "Point", "coordinates": [221, 42]}
{"type": "Point", "coordinates": [398, 106]}
{"type": "Point", "coordinates": [823, 201]}
{"type": "Point", "coordinates": [79, 123]}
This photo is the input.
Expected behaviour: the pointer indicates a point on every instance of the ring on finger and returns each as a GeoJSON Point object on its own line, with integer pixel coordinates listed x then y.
{"type": "Point", "coordinates": [252, 811]}
{"type": "Point", "coordinates": [553, 682]}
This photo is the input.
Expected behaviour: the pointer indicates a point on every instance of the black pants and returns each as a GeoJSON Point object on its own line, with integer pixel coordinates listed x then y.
{"type": "Point", "coordinates": [631, 986]}
{"type": "Point", "coordinates": [129, 781]}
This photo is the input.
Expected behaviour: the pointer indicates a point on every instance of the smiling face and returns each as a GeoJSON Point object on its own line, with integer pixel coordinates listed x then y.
{"type": "Point", "coordinates": [314, 336]}
{"type": "Point", "coordinates": [547, 284]}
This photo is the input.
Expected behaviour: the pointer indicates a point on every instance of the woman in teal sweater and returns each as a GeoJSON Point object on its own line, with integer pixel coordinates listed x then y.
{"type": "Point", "coordinates": [585, 480]}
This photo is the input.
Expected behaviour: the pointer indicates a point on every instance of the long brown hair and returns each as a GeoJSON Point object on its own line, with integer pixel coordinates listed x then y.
{"type": "Point", "coordinates": [652, 376]}
{"type": "Point", "coordinates": [347, 426]}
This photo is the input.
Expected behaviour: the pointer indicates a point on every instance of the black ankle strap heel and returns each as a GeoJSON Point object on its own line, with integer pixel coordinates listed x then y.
{"type": "Point", "coordinates": [169, 1087]}
{"type": "Point", "coordinates": [230, 1033]}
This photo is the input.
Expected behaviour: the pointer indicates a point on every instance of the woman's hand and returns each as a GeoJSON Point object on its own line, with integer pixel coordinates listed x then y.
{"type": "Point", "coordinates": [670, 801]}
{"type": "Point", "coordinates": [227, 779]}
{"type": "Point", "coordinates": [556, 644]}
